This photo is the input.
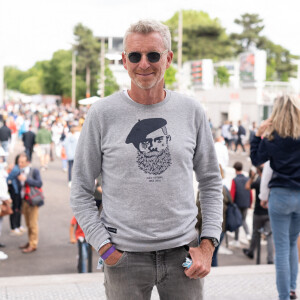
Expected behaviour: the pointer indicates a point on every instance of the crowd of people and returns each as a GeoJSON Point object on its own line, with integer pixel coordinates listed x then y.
{"type": "Point", "coordinates": [143, 146]}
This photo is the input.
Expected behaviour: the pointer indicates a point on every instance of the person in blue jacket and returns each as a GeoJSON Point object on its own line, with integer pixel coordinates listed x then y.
{"type": "Point", "coordinates": [14, 187]}
{"type": "Point", "coordinates": [281, 145]}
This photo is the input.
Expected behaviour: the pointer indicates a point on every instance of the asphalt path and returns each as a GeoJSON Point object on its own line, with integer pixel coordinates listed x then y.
{"type": "Point", "coordinates": [55, 255]}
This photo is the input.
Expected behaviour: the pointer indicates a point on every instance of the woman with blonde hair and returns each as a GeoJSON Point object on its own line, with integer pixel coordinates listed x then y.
{"type": "Point", "coordinates": [281, 145]}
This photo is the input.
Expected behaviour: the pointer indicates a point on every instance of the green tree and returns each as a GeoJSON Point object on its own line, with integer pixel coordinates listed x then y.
{"type": "Point", "coordinates": [279, 59]}
{"type": "Point", "coordinates": [203, 37]}
{"type": "Point", "coordinates": [31, 85]}
{"type": "Point", "coordinates": [110, 83]}
{"type": "Point", "coordinates": [57, 74]}
{"type": "Point", "coordinates": [251, 28]}
{"type": "Point", "coordinates": [87, 47]}
{"type": "Point", "coordinates": [13, 77]}
{"type": "Point", "coordinates": [222, 76]}
{"type": "Point", "coordinates": [170, 77]}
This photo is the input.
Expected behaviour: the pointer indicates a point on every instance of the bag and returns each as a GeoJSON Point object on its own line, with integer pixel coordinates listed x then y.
{"type": "Point", "coordinates": [234, 217]}
{"type": "Point", "coordinates": [34, 196]}
{"type": "Point", "coordinates": [5, 209]}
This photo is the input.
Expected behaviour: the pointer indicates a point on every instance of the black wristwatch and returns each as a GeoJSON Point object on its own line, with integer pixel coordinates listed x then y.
{"type": "Point", "coordinates": [213, 240]}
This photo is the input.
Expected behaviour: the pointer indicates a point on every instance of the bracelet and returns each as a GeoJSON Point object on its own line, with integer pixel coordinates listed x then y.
{"type": "Point", "coordinates": [106, 254]}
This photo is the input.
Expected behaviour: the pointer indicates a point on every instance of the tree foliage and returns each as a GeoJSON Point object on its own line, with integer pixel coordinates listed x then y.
{"type": "Point", "coordinates": [170, 77]}
{"type": "Point", "coordinates": [279, 59]}
{"type": "Point", "coordinates": [222, 76]}
{"type": "Point", "coordinates": [203, 37]}
{"type": "Point", "coordinates": [54, 76]}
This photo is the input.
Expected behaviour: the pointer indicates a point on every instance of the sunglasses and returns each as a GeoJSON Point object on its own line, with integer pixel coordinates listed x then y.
{"type": "Point", "coordinates": [153, 57]}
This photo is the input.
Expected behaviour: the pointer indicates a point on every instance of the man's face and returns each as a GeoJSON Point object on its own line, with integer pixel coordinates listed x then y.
{"type": "Point", "coordinates": [154, 144]}
{"type": "Point", "coordinates": [144, 74]}
{"type": "Point", "coordinates": [22, 162]}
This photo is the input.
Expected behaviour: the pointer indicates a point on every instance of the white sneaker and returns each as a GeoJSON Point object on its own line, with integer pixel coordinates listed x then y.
{"type": "Point", "coordinates": [235, 243]}
{"type": "Point", "coordinates": [3, 256]}
{"type": "Point", "coordinates": [70, 184]}
{"type": "Point", "coordinates": [249, 237]}
{"type": "Point", "coordinates": [22, 229]}
{"type": "Point", "coordinates": [223, 250]}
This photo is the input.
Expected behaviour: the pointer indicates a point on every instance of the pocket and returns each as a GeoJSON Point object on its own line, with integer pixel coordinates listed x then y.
{"type": "Point", "coordinates": [119, 262]}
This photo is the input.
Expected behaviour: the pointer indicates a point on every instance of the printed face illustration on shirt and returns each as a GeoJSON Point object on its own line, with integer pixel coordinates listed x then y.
{"type": "Point", "coordinates": [151, 139]}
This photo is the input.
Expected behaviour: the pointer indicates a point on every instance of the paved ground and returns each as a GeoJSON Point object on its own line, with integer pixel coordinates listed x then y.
{"type": "Point", "coordinates": [56, 255]}
{"type": "Point", "coordinates": [223, 283]}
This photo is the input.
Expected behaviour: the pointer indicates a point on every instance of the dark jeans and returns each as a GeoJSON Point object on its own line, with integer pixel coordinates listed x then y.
{"type": "Point", "coordinates": [15, 217]}
{"type": "Point", "coordinates": [239, 142]}
{"type": "Point", "coordinates": [70, 167]}
{"type": "Point", "coordinates": [136, 273]}
{"type": "Point", "coordinates": [28, 151]}
{"type": "Point", "coordinates": [260, 221]}
{"type": "Point", "coordinates": [245, 226]}
{"type": "Point", "coordinates": [214, 262]}
{"type": "Point", "coordinates": [84, 257]}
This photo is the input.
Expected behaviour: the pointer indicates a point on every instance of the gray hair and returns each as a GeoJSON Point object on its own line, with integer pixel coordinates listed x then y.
{"type": "Point", "coordinates": [148, 26]}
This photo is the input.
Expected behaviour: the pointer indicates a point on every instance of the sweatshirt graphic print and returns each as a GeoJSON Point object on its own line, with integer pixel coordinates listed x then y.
{"type": "Point", "coordinates": [150, 138]}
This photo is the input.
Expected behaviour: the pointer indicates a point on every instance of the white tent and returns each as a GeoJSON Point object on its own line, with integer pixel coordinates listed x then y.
{"type": "Point", "coordinates": [89, 101]}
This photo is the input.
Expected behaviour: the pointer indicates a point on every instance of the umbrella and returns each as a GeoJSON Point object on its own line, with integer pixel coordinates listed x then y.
{"type": "Point", "coordinates": [89, 101]}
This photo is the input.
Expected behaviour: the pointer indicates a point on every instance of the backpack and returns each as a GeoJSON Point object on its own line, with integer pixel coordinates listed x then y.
{"type": "Point", "coordinates": [234, 217]}
{"type": "Point", "coordinates": [33, 195]}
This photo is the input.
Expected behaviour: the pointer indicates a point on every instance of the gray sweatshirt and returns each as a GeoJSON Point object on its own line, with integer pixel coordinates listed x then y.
{"type": "Point", "coordinates": [146, 155]}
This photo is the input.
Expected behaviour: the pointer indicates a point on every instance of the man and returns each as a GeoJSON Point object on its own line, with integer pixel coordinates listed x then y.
{"type": "Point", "coordinates": [43, 140]}
{"type": "Point", "coordinates": [5, 137]}
{"type": "Point", "coordinates": [29, 141]}
{"type": "Point", "coordinates": [241, 133]}
{"type": "Point", "coordinates": [149, 211]}
{"type": "Point", "coordinates": [31, 177]}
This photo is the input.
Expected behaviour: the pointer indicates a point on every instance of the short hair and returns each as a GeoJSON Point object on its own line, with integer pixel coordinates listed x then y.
{"type": "Point", "coordinates": [238, 166]}
{"type": "Point", "coordinates": [285, 118]}
{"type": "Point", "coordinates": [23, 154]}
{"type": "Point", "coordinates": [148, 26]}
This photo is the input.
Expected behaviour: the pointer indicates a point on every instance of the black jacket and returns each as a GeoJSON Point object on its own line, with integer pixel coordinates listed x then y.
{"type": "Point", "coordinates": [28, 139]}
{"type": "Point", "coordinates": [5, 133]}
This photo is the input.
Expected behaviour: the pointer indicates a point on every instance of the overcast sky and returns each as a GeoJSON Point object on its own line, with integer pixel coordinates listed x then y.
{"type": "Point", "coordinates": [32, 30]}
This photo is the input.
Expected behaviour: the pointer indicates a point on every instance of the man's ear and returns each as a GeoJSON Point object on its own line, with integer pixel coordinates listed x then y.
{"type": "Point", "coordinates": [169, 59]}
{"type": "Point", "coordinates": [124, 60]}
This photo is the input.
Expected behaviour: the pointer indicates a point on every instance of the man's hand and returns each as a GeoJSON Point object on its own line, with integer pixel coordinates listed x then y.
{"type": "Point", "coordinates": [22, 177]}
{"type": "Point", "coordinates": [201, 257]}
{"type": "Point", "coordinates": [113, 258]}
{"type": "Point", "coordinates": [264, 204]}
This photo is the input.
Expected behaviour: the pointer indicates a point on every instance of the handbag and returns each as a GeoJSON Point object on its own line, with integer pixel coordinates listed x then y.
{"type": "Point", "coordinates": [234, 217]}
{"type": "Point", "coordinates": [5, 208]}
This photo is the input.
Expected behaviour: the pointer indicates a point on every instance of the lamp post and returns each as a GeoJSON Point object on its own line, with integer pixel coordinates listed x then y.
{"type": "Point", "coordinates": [74, 52]}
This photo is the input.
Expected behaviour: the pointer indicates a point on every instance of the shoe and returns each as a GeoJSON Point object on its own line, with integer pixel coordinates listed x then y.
{"type": "Point", "coordinates": [24, 246]}
{"type": "Point", "coordinates": [22, 229]}
{"type": "Point", "coordinates": [270, 263]}
{"type": "Point", "coordinates": [16, 232]}
{"type": "Point", "coordinates": [3, 256]}
{"type": "Point", "coordinates": [248, 253]}
{"type": "Point", "coordinates": [70, 184]}
{"type": "Point", "coordinates": [2, 245]}
{"type": "Point", "coordinates": [235, 243]}
{"type": "Point", "coordinates": [293, 295]}
{"type": "Point", "coordinates": [248, 237]}
{"type": "Point", "coordinates": [29, 249]}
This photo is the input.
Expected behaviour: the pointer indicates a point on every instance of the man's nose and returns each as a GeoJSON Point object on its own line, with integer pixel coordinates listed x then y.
{"type": "Point", "coordinates": [144, 63]}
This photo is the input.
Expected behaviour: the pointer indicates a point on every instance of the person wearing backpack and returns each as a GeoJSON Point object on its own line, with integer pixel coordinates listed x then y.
{"type": "Point", "coordinates": [241, 197]}
{"type": "Point", "coordinates": [29, 177]}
